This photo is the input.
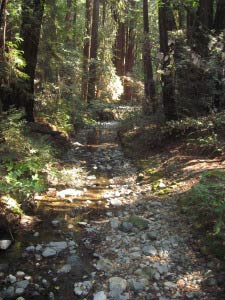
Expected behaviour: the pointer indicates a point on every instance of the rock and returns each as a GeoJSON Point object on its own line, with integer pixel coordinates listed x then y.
{"type": "Point", "coordinates": [115, 202]}
{"type": "Point", "coordinates": [5, 244]}
{"type": "Point", "coordinates": [58, 246]}
{"type": "Point", "coordinates": [211, 281]}
{"type": "Point", "coordinates": [82, 288]}
{"type": "Point", "coordinates": [20, 298]}
{"type": "Point", "coordinates": [149, 250]}
{"type": "Point", "coordinates": [152, 235]}
{"type": "Point", "coordinates": [126, 227]}
{"type": "Point", "coordinates": [69, 192]}
{"type": "Point", "coordinates": [162, 269]}
{"type": "Point", "coordinates": [20, 274]}
{"type": "Point", "coordinates": [139, 285]}
{"type": "Point", "coordinates": [30, 249]}
{"type": "Point", "coordinates": [104, 264]}
{"type": "Point", "coordinates": [155, 204]}
{"type": "Point", "coordinates": [114, 223]}
{"type": "Point", "coordinates": [19, 291]}
{"type": "Point", "coordinates": [11, 278]}
{"type": "Point", "coordinates": [51, 296]}
{"type": "Point", "coordinates": [170, 285]}
{"type": "Point", "coordinates": [49, 252]}
{"type": "Point", "coordinates": [22, 284]}
{"type": "Point", "coordinates": [9, 292]}
{"type": "Point", "coordinates": [65, 269]}
{"type": "Point", "coordinates": [55, 223]}
{"type": "Point", "coordinates": [74, 260]}
{"type": "Point", "coordinates": [36, 234]}
{"type": "Point", "coordinates": [117, 284]}
{"type": "Point", "coordinates": [100, 296]}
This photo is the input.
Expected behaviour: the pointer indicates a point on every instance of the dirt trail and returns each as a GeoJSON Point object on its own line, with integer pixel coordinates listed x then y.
{"type": "Point", "coordinates": [107, 237]}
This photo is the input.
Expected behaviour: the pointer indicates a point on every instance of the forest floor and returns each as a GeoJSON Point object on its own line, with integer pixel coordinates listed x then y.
{"type": "Point", "coordinates": [112, 228]}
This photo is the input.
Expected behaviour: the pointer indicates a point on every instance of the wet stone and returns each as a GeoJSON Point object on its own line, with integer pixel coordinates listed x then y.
{"type": "Point", "coordinates": [5, 244]}
{"type": "Point", "coordinates": [100, 296]}
{"type": "Point", "coordinates": [49, 252]}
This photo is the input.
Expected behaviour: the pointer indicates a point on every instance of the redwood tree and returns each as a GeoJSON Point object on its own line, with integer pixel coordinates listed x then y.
{"type": "Point", "coordinates": [167, 78]}
{"type": "Point", "coordinates": [93, 52]}
{"type": "Point", "coordinates": [32, 14]}
{"type": "Point", "coordinates": [149, 103]}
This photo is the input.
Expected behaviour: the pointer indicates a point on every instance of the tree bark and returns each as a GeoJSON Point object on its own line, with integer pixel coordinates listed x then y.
{"type": "Point", "coordinates": [32, 14]}
{"type": "Point", "coordinates": [3, 6]}
{"type": "Point", "coordinates": [119, 49]}
{"type": "Point", "coordinates": [149, 103]}
{"type": "Point", "coordinates": [93, 52]}
{"type": "Point", "coordinates": [219, 21]}
{"type": "Point", "coordinates": [167, 78]}
{"type": "Point", "coordinates": [86, 49]}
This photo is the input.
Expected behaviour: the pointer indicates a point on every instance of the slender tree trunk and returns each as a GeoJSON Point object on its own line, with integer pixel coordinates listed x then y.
{"type": "Point", "coordinates": [86, 49]}
{"type": "Point", "coordinates": [32, 14]}
{"type": "Point", "coordinates": [167, 78]}
{"type": "Point", "coordinates": [93, 52]}
{"type": "Point", "coordinates": [2, 28]}
{"type": "Point", "coordinates": [219, 21]}
{"type": "Point", "coordinates": [149, 104]}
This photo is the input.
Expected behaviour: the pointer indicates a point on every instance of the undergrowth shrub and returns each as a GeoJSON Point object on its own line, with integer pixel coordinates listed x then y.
{"type": "Point", "coordinates": [205, 204]}
{"type": "Point", "coordinates": [23, 157]}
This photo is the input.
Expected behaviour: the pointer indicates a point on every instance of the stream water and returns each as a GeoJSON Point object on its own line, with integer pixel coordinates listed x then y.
{"type": "Point", "coordinates": [63, 219]}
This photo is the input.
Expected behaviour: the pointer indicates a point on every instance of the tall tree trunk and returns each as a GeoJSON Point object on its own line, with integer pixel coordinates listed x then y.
{"type": "Point", "coordinates": [93, 52]}
{"type": "Point", "coordinates": [119, 49]}
{"type": "Point", "coordinates": [219, 21]}
{"type": "Point", "coordinates": [32, 14]}
{"type": "Point", "coordinates": [167, 78]}
{"type": "Point", "coordinates": [130, 49]}
{"type": "Point", "coordinates": [202, 23]}
{"type": "Point", "coordinates": [3, 6]}
{"type": "Point", "coordinates": [149, 103]}
{"type": "Point", "coordinates": [86, 49]}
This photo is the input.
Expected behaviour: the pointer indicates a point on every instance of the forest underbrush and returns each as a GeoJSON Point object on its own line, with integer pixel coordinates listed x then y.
{"type": "Point", "coordinates": [185, 159]}
{"type": "Point", "coordinates": [30, 156]}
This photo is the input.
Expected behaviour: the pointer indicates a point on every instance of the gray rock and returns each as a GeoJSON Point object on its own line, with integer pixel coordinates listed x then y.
{"type": "Point", "coordinates": [170, 285]}
{"type": "Point", "coordinates": [211, 281]}
{"type": "Point", "coordinates": [20, 298]}
{"type": "Point", "coordinates": [104, 264]}
{"type": "Point", "coordinates": [74, 260]}
{"type": "Point", "coordinates": [20, 274]}
{"type": "Point", "coordinates": [51, 296]}
{"type": "Point", "coordinates": [9, 292]}
{"type": "Point", "coordinates": [139, 285]}
{"type": "Point", "coordinates": [49, 252]}
{"type": "Point", "coordinates": [65, 269]}
{"type": "Point", "coordinates": [82, 288]}
{"type": "Point", "coordinates": [100, 296]}
{"type": "Point", "coordinates": [11, 278]}
{"type": "Point", "coordinates": [149, 250]}
{"type": "Point", "coordinates": [22, 284]}
{"type": "Point", "coordinates": [155, 204]}
{"type": "Point", "coordinates": [19, 291]}
{"type": "Point", "coordinates": [30, 249]}
{"type": "Point", "coordinates": [55, 223]}
{"type": "Point", "coordinates": [126, 227]}
{"type": "Point", "coordinates": [5, 244]}
{"type": "Point", "coordinates": [117, 284]}
{"type": "Point", "coordinates": [114, 223]}
{"type": "Point", "coordinates": [58, 246]}
{"type": "Point", "coordinates": [115, 202]}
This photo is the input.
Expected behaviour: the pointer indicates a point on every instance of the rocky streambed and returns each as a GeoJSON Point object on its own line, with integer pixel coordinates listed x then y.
{"type": "Point", "coordinates": [107, 237]}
